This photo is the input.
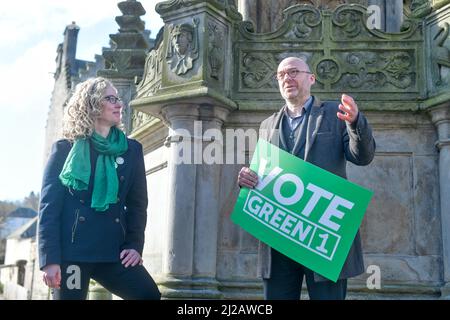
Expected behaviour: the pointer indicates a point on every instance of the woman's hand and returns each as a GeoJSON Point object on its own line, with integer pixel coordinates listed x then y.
{"type": "Point", "coordinates": [130, 257]}
{"type": "Point", "coordinates": [52, 276]}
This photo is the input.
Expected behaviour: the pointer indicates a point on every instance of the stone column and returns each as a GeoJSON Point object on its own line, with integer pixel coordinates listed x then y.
{"type": "Point", "coordinates": [207, 199]}
{"type": "Point", "coordinates": [178, 256]}
{"type": "Point", "coordinates": [187, 83]}
{"type": "Point", "coordinates": [189, 261]}
{"type": "Point", "coordinates": [441, 118]}
{"type": "Point", "coordinates": [124, 61]}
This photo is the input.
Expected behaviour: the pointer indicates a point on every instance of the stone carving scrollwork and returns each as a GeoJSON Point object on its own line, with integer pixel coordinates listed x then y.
{"type": "Point", "coordinates": [370, 70]}
{"type": "Point", "coordinates": [228, 6]}
{"type": "Point", "coordinates": [363, 64]}
{"type": "Point", "coordinates": [305, 21]}
{"type": "Point", "coordinates": [151, 81]}
{"type": "Point", "coordinates": [349, 21]}
{"type": "Point", "coordinates": [353, 23]}
{"type": "Point", "coordinates": [170, 5]}
{"type": "Point", "coordinates": [268, 14]}
{"type": "Point", "coordinates": [298, 22]}
{"type": "Point", "coordinates": [153, 66]}
{"type": "Point", "coordinates": [138, 119]}
{"type": "Point", "coordinates": [345, 54]}
{"type": "Point", "coordinates": [327, 70]}
{"type": "Point", "coordinates": [420, 8]}
{"type": "Point", "coordinates": [259, 70]}
{"type": "Point", "coordinates": [440, 53]}
{"type": "Point", "coordinates": [326, 4]}
{"type": "Point", "coordinates": [182, 48]}
{"type": "Point", "coordinates": [215, 50]}
{"type": "Point", "coordinates": [398, 69]}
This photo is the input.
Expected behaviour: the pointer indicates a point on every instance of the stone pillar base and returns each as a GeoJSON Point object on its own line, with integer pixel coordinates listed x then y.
{"type": "Point", "coordinates": [445, 291]}
{"type": "Point", "coordinates": [242, 290]}
{"type": "Point", "coordinates": [189, 288]}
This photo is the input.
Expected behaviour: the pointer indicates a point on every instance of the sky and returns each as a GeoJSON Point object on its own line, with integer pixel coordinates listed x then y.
{"type": "Point", "coordinates": [30, 34]}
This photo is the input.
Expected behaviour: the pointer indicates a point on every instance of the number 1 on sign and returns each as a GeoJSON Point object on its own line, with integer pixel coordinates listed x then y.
{"type": "Point", "coordinates": [321, 248]}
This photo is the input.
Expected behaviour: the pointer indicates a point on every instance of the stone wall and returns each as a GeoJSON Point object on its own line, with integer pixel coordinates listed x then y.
{"type": "Point", "coordinates": [156, 231]}
{"type": "Point", "coordinates": [192, 248]}
{"type": "Point", "coordinates": [267, 16]}
{"type": "Point", "coordinates": [402, 232]}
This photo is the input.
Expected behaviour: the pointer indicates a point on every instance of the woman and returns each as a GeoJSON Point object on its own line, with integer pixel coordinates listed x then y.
{"type": "Point", "coordinates": [93, 208]}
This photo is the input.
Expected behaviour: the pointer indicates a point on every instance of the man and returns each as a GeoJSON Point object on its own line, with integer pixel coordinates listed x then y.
{"type": "Point", "coordinates": [326, 134]}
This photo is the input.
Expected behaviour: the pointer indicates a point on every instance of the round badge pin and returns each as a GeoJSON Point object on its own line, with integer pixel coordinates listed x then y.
{"type": "Point", "coordinates": [120, 160]}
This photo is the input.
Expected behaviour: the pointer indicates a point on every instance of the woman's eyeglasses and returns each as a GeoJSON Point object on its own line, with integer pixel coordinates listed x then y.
{"type": "Point", "coordinates": [112, 99]}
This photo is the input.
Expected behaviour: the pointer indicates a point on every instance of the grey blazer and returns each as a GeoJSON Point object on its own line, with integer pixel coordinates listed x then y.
{"type": "Point", "coordinates": [330, 143]}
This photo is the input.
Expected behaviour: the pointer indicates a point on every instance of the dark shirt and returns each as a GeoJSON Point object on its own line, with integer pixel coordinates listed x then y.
{"type": "Point", "coordinates": [291, 125]}
{"type": "Point", "coordinates": [294, 122]}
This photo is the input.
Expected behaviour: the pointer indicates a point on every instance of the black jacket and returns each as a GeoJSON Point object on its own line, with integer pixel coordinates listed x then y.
{"type": "Point", "coordinates": [70, 230]}
{"type": "Point", "coordinates": [329, 144]}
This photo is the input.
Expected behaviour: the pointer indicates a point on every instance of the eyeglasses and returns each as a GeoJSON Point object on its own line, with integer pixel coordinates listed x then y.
{"type": "Point", "coordinates": [112, 99]}
{"type": "Point", "coordinates": [291, 73]}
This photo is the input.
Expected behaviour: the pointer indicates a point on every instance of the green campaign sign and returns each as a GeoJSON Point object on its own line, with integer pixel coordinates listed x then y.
{"type": "Point", "coordinates": [301, 210]}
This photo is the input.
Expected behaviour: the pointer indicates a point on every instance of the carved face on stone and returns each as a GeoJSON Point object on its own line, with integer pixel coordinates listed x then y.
{"type": "Point", "coordinates": [295, 89]}
{"type": "Point", "coordinates": [182, 39]}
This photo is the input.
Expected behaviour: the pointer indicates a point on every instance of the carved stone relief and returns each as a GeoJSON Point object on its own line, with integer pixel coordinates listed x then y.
{"type": "Point", "coordinates": [151, 81]}
{"type": "Point", "coordinates": [327, 70]}
{"type": "Point", "coordinates": [440, 54]}
{"type": "Point", "coordinates": [139, 118]}
{"type": "Point", "coordinates": [183, 47]}
{"type": "Point", "coordinates": [366, 71]}
{"type": "Point", "coordinates": [259, 70]}
{"type": "Point", "coordinates": [305, 22]}
{"type": "Point", "coordinates": [417, 8]}
{"type": "Point", "coordinates": [215, 50]}
{"type": "Point", "coordinates": [267, 15]}
{"type": "Point", "coordinates": [348, 21]}
{"type": "Point", "coordinates": [370, 71]}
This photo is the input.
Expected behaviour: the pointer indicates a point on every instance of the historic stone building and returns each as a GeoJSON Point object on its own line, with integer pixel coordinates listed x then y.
{"type": "Point", "coordinates": [399, 84]}
{"type": "Point", "coordinates": [223, 76]}
{"type": "Point", "coordinates": [69, 71]}
{"type": "Point", "coordinates": [122, 62]}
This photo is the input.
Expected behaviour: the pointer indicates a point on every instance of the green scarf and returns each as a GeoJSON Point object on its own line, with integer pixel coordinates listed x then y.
{"type": "Point", "coordinates": [77, 168]}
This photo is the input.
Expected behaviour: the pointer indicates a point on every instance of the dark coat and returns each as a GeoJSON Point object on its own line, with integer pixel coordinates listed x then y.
{"type": "Point", "coordinates": [330, 143]}
{"type": "Point", "coordinates": [70, 230]}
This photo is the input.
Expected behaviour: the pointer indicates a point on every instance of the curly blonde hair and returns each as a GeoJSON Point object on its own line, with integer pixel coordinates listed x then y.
{"type": "Point", "coordinates": [83, 108]}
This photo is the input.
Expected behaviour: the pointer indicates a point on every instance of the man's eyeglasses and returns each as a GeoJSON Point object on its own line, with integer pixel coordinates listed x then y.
{"type": "Point", "coordinates": [112, 99]}
{"type": "Point", "coordinates": [291, 73]}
